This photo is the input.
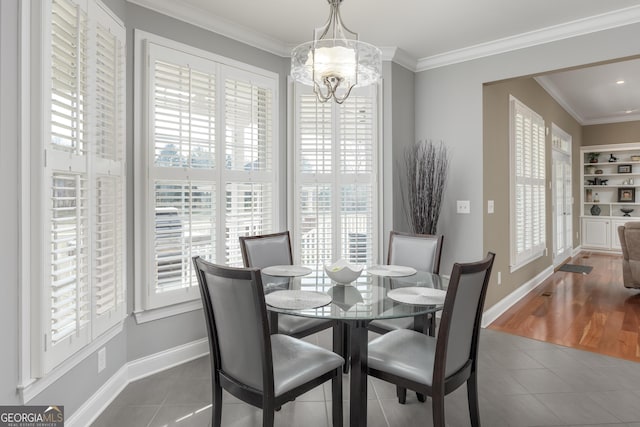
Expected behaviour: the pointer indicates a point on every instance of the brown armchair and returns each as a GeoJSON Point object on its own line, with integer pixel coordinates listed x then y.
{"type": "Point", "coordinates": [630, 241]}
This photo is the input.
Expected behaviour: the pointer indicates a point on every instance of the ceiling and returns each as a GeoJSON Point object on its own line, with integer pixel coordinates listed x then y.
{"type": "Point", "coordinates": [423, 34]}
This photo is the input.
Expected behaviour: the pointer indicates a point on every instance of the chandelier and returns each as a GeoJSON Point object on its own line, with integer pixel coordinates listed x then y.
{"type": "Point", "coordinates": [334, 64]}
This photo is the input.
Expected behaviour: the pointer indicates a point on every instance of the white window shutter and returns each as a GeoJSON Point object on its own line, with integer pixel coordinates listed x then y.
{"type": "Point", "coordinates": [212, 167]}
{"type": "Point", "coordinates": [109, 262]}
{"type": "Point", "coordinates": [67, 294]}
{"type": "Point", "coordinates": [528, 221]}
{"type": "Point", "coordinates": [335, 196]}
{"type": "Point", "coordinates": [84, 292]}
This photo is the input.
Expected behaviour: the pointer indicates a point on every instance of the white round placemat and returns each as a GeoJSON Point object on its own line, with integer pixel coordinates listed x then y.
{"type": "Point", "coordinates": [297, 300]}
{"type": "Point", "coordinates": [286, 270]}
{"type": "Point", "coordinates": [391, 270]}
{"type": "Point", "coordinates": [417, 295]}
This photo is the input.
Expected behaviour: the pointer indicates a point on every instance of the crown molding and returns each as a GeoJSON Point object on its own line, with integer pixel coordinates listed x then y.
{"type": "Point", "coordinates": [592, 24]}
{"type": "Point", "coordinates": [400, 57]}
{"type": "Point", "coordinates": [210, 22]}
{"type": "Point", "coordinates": [552, 90]}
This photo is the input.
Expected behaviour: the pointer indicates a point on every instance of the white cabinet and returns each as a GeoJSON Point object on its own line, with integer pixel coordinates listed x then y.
{"type": "Point", "coordinates": [596, 233]}
{"type": "Point", "coordinates": [610, 194]}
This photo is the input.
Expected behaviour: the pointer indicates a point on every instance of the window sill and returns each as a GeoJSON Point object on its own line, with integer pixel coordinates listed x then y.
{"type": "Point", "coordinates": [150, 315]}
{"type": "Point", "coordinates": [523, 263]}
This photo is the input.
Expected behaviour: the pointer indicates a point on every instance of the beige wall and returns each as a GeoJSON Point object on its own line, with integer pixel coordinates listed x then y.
{"type": "Point", "coordinates": [611, 133]}
{"type": "Point", "coordinates": [496, 176]}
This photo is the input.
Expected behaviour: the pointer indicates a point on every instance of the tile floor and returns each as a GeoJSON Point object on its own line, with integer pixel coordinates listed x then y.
{"type": "Point", "coordinates": [523, 382]}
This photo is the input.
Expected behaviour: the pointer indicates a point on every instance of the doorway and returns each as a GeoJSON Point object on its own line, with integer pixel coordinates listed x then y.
{"type": "Point", "coordinates": [561, 195]}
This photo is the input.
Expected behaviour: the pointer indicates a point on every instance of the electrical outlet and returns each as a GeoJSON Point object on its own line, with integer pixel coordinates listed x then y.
{"type": "Point", "coordinates": [102, 359]}
{"type": "Point", "coordinates": [499, 278]}
{"type": "Point", "coordinates": [490, 206]}
{"type": "Point", "coordinates": [464, 206]}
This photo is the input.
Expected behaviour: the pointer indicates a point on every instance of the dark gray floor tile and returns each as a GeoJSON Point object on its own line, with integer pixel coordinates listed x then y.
{"type": "Point", "coordinates": [189, 391]}
{"type": "Point", "coordinates": [577, 408]}
{"type": "Point", "coordinates": [148, 391]}
{"type": "Point", "coordinates": [126, 416]}
{"type": "Point", "coordinates": [182, 416]}
{"type": "Point", "coordinates": [541, 381]}
{"type": "Point", "coordinates": [625, 405]}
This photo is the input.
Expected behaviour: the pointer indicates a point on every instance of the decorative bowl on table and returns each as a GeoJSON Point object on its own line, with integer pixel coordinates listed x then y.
{"type": "Point", "coordinates": [626, 211]}
{"type": "Point", "coordinates": [343, 272]}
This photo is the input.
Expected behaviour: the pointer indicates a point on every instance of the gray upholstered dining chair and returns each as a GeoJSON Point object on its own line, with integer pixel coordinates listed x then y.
{"type": "Point", "coordinates": [437, 366]}
{"type": "Point", "coordinates": [256, 367]}
{"type": "Point", "coordinates": [265, 250]}
{"type": "Point", "coordinates": [422, 252]}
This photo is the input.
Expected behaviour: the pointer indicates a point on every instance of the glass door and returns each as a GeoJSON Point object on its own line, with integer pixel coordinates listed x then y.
{"type": "Point", "coordinates": [562, 198]}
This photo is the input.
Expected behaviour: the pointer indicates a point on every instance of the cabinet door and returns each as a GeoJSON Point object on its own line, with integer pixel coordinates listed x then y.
{"type": "Point", "coordinates": [596, 233]}
{"type": "Point", "coordinates": [615, 240]}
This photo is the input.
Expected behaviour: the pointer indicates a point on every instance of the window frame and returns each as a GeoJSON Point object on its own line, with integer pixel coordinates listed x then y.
{"type": "Point", "coordinates": [145, 308]}
{"type": "Point", "coordinates": [535, 251]}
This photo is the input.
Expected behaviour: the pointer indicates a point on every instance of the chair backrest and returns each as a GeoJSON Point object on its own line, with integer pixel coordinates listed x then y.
{"type": "Point", "coordinates": [457, 343]}
{"type": "Point", "coordinates": [420, 251]}
{"type": "Point", "coordinates": [236, 315]}
{"type": "Point", "coordinates": [266, 250]}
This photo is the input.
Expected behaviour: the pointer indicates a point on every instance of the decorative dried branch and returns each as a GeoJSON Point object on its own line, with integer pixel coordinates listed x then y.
{"type": "Point", "coordinates": [426, 165]}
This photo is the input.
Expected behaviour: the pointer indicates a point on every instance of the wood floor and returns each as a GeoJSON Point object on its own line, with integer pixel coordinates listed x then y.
{"type": "Point", "coordinates": [592, 312]}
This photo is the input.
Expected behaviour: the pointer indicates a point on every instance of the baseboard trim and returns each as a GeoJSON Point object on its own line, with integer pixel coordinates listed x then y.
{"type": "Point", "coordinates": [98, 402]}
{"type": "Point", "coordinates": [507, 302]}
{"type": "Point", "coordinates": [166, 359]}
{"type": "Point", "coordinates": [132, 371]}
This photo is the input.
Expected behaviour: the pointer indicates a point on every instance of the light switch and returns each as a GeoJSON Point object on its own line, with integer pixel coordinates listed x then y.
{"type": "Point", "coordinates": [490, 206]}
{"type": "Point", "coordinates": [464, 206]}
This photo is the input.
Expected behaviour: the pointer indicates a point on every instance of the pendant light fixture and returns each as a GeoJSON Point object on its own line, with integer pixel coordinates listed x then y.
{"type": "Point", "coordinates": [334, 64]}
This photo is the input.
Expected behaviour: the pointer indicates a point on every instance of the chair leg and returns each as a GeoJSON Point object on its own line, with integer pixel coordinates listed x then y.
{"type": "Point", "coordinates": [336, 400]}
{"type": "Point", "coordinates": [267, 417]}
{"type": "Point", "coordinates": [437, 404]}
{"type": "Point", "coordinates": [421, 397]}
{"type": "Point", "coordinates": [472, 396]}
{"type": "Point", "coordinates": [401, 392]}
{"type": "Point", "coordinates": [216, 408]}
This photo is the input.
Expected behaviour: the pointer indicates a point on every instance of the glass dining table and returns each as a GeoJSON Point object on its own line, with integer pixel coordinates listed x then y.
{"type": "Point", "coordinates": [354, 306]}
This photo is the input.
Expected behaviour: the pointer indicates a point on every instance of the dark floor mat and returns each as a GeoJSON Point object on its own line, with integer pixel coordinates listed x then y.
{"type": "Point", "coordinates": [574, 268]}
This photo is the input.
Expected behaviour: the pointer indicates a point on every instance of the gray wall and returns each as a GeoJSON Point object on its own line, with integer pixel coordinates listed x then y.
{"type": "Point", "coordinates": [398, 134]}
{"type": "Point", "coordinates": [9, 214]}
{"type": "Point", "coordinates": [449, 107]}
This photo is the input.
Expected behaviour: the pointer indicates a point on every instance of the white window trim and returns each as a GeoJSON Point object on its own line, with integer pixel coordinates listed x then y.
{"type": "Point", "coordinates": [517, 262]}
{"type": "Point", "coordinates": [32, 38]}
{"type": "Point", "coordinates": [141, 172]}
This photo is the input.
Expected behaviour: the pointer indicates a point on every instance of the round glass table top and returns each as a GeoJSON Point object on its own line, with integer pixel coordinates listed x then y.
{"type": "Point", "coordinates": [366, 298]}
